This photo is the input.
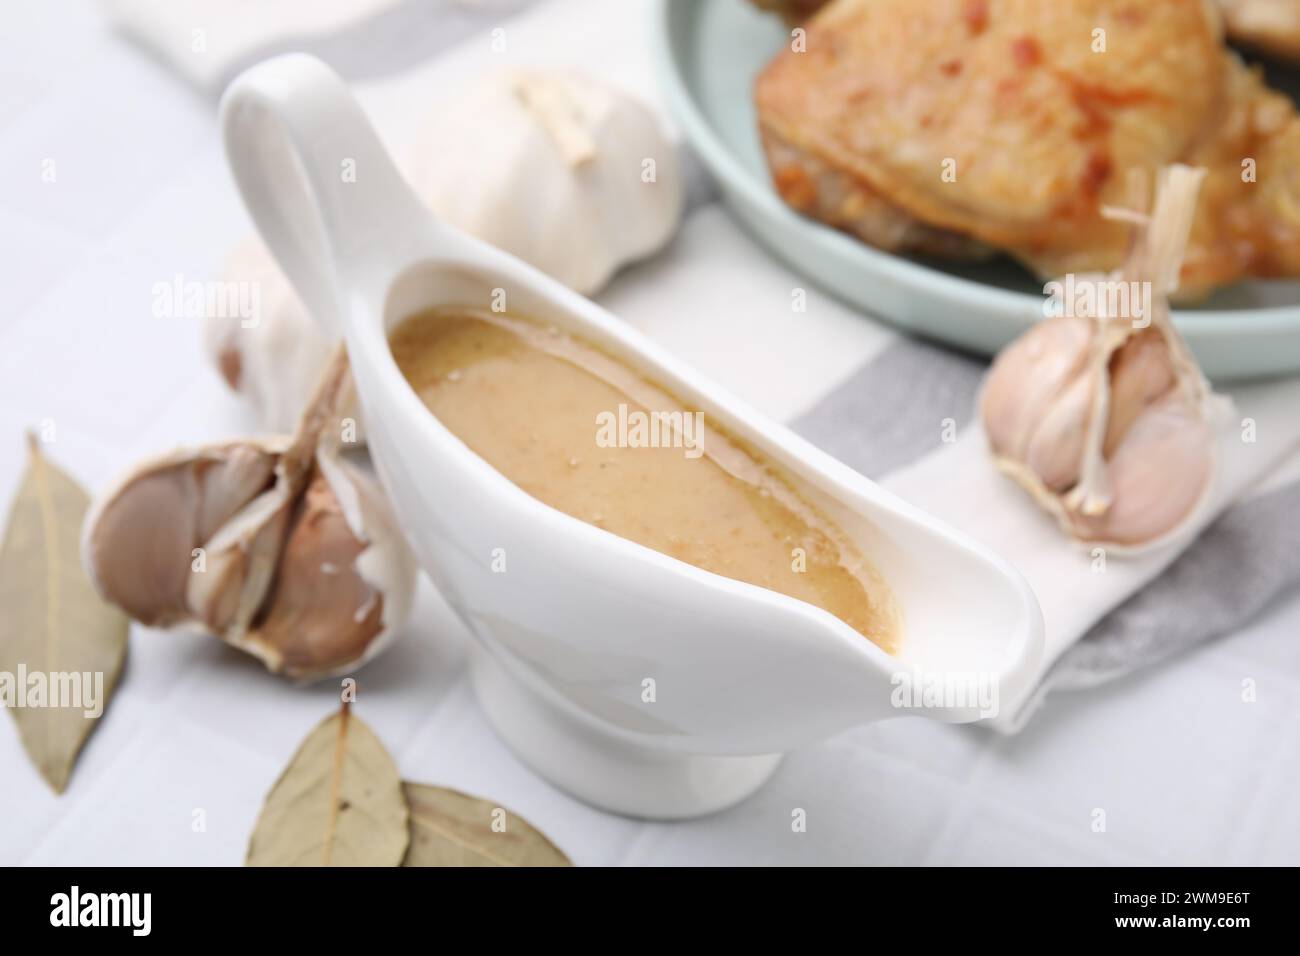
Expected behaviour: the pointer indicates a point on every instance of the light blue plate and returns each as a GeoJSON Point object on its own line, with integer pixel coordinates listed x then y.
{"type": "Point", "coordinates": [707, 54]}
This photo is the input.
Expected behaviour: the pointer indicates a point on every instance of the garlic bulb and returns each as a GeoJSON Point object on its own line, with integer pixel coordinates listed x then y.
{"type": "Point", "coordinates": [277, 545]}
{"type": "Point", "coordinates": [1105, 416]}
{"type": "Point", "coordinates": [556, 168]}
{"type": "Point", "coordinates": [274, 358]}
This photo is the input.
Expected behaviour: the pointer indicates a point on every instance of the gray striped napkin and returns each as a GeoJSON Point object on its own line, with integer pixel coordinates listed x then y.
{"type": "Point", "coordinates": [882, 418]}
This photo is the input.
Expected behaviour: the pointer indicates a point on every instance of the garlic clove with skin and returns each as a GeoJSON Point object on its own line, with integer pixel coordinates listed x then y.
{"type": "Point", "coordinates": [167, 508]}
{"type": "Point", "coordinates": [1158, 474]}
{"type": "Point", "coordinates": [1106, 419]}
{"type": "Point", "coordinates": [1026, 376]}
{"type": "Point", "coordinates": [240, 562]}
{"type": "Point", "coordinates": [1055, 450]}
{"type": "Point", "coordinates": [278, 546]}
{"type": "Point", "coordinates": [274, 356]}
{"type": "Point", "coordinates": [242, 555]}
{"type": "Point", "coordinates": [318, 614]}
{"type": "Point", "coordinates": [1140, 373]}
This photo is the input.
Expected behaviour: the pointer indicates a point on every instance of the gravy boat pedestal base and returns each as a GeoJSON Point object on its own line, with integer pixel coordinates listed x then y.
{"type": "Point", "coordinates": [584, 622]}
{"type": "Point", "coordinates": [602, 769]}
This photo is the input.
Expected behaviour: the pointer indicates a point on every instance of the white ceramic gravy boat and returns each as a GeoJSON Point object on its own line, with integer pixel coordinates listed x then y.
{"type": "Point", "coordinates": [580, 621]}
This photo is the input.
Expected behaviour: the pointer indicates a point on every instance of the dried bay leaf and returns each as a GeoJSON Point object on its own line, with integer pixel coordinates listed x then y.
{"type": "Point", "coordinates": [450, 828]}
{"type": "Point", "coordinates": [57, 638]}
{"type": "Point", "coordinates": [338, 803]}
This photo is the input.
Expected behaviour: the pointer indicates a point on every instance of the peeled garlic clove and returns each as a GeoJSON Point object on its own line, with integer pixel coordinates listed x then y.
{"type": "Point", "coordinates": [1026, 376]}
{"type": "Point", "coordinates": [339, 590]}
{"type": "Point", "coordinates": [1159, 473]}
{"type": "Point", "coordinates": [140, 536]}
{"type": "Point", "coordinates": [557, 168]}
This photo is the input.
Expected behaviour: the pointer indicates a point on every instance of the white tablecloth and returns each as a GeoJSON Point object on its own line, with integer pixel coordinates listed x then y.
{"type": "Point", "coordinates": [1184, 769]}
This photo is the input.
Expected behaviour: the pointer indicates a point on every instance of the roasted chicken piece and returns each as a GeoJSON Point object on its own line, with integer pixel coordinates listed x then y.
{"type": "Point", "coordinates": [1270, 26]}
{"type": "Point", "coordinates": [963, 127]}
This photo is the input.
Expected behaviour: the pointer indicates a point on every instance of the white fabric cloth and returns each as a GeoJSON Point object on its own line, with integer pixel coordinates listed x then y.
{"type": "Point", "coordinates": [207, 42]}
{"type": "Point", "coordinates": [1185, 768]}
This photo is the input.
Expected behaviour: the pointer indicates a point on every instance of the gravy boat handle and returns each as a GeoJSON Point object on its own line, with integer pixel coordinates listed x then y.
{"type": "Point", "coordinates": [318, 182]}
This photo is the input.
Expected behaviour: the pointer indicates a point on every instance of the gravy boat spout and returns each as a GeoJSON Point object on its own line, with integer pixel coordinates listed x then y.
{"type": "Point", "coordinates": [635, 681]}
